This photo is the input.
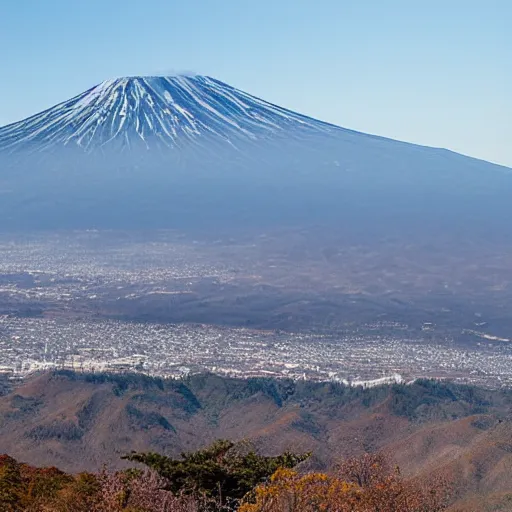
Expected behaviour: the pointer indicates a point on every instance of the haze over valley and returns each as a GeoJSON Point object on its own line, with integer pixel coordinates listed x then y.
{"type": "Point", "coordinates": [287, 303]}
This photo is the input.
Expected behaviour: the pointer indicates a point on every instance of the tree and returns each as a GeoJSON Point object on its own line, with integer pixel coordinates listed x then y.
{"type": "Point", "coordinates": [219, 471]}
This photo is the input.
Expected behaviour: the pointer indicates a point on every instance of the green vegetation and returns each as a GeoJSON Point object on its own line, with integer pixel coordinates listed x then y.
{"type": "Point", "coordinates": [220, 471]}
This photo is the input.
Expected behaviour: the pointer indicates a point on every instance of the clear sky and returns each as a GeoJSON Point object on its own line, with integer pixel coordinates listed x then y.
{"type": "Point", "coordinates": [435, 72]}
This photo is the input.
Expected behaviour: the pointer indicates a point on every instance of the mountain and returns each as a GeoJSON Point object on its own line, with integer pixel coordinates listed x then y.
{"type": "Point", "coordinates": [82, 421]}
{"type": "Point", "coordinates": [193, 152]}
{"type": "Point", "coordinates": [156, 111]}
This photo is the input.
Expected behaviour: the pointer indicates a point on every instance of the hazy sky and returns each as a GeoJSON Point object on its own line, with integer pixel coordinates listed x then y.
{"type": "Point", "coordinates": [436, 72]}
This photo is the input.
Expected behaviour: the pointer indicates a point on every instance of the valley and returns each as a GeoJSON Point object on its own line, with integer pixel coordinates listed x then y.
{"type": "Point", "coordinates": [289, 304]}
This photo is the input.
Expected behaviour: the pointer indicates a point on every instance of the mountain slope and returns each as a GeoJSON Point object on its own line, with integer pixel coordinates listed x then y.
{"type": "Point", "coordinates": [193, 152]}
{"type": "Point", "coordinates": [83, 421]}
{"type": "Point", "coordinates": [155, 110]}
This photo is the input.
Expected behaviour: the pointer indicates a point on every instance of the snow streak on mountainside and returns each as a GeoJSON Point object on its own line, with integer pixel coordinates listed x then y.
{"type": "Point", "coordinates": [165, 111]}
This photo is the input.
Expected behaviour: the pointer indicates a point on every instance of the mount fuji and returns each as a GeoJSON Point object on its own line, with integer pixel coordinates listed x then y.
{"type": "Point", "coordinates": [192, 151]}
{"type": "Point", "coordinates": [156, 112]}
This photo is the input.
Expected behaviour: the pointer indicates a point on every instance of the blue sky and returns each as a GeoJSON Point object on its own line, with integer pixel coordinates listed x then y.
{"type": "Point", "coordinates": [436, 72]}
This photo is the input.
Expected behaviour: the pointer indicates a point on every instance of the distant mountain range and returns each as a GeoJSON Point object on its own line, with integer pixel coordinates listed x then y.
{"type": "Point", "coordinates": [191, 151]}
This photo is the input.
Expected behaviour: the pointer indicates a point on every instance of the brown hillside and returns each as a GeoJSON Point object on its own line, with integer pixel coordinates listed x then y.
{"type": "Point", "coordinates": [79, 422]}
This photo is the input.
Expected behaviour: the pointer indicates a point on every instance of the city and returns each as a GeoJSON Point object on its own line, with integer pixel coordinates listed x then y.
{"type": "Point", "coordinates": [29, 345]}
{"type": "Point", "coordinates": [79, 301]}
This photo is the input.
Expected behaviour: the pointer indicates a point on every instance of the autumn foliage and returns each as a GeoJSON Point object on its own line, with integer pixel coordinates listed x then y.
{"type": "Point", "coordinates": [364, 484]}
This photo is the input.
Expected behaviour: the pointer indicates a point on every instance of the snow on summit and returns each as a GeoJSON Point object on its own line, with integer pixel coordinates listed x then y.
{"type": "Point", "coordinates": [156, 110]}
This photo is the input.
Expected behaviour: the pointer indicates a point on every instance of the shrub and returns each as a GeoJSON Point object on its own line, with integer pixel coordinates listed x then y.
{"type": "Point", "coordinates": [365, 484]}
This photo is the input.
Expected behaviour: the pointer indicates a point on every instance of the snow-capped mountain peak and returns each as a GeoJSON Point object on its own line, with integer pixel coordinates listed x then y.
{"type": "Point", "coordinates": [167, 111]}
